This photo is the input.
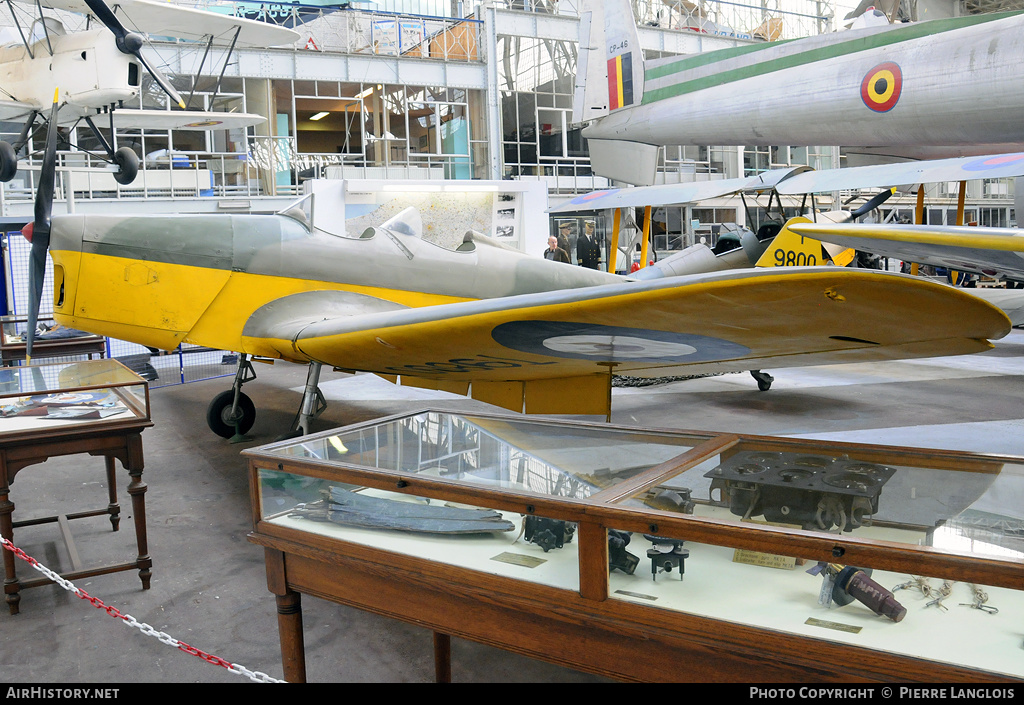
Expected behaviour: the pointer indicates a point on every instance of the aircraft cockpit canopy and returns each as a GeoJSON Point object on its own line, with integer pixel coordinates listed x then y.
{"type": "Point", "coordinates": [301, 211]}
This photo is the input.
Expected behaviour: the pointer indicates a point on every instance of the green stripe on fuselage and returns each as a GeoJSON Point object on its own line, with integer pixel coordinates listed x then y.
{"type": "Point", "coordinates": [871, 41]}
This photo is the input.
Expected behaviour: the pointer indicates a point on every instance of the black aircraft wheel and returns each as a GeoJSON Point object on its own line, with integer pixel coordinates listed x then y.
{"type": "Point", "coordinates": [8, 162]}
{"type": "Point", "coordinates": [764, 380]}
{"type": "Point", "coordinates": [127, 166]}
{"type": "Point", "coordinates": [220, 420]}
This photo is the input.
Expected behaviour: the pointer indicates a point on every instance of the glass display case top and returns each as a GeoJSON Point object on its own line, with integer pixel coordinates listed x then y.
{"type": "Point", "coordinates": [14, 328]}
{"type": "Point", "coordinates": [554, 459]}
{"type": "Point", "coordinates": [35, 395]}
{"type": "Point", "coordinates": [36, 379]}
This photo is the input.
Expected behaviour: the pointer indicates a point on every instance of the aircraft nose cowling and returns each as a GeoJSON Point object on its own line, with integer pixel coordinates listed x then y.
{"type": "Point", "coordinates": [27, 231]}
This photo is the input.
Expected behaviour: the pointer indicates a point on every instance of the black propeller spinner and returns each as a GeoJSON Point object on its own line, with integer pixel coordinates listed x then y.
{"type": "Point", "coordinates": [131, 43]}
{"type": "Point", "coordinates": [38, 231]}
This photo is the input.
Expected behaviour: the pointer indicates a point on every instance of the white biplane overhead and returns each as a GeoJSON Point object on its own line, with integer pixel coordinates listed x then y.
{"type": "Point", "coordinates": [99, 69]}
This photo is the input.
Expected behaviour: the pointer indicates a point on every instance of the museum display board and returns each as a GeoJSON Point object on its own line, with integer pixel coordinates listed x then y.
{"type": "Point", "coordinates": [653, 554]}
{"type": "Point", "coordinates": [95, 408]}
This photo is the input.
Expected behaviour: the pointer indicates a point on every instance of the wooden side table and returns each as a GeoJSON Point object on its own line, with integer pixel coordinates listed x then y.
{"type": "Point", "coordinates": [29, 437]}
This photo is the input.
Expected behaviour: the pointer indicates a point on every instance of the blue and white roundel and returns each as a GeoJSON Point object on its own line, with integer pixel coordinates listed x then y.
{"type": "Point", "coordinates": [994, 162]}
{"type": "Point", "coordinates": [586, 341]}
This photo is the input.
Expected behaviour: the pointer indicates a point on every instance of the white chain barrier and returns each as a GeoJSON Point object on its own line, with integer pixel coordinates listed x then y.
{"type": "Point", "coordinates": [132, 622]}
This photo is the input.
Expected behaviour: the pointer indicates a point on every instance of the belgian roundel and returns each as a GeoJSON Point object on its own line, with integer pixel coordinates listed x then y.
{"type": "Point", "coordinates": [881, 87]}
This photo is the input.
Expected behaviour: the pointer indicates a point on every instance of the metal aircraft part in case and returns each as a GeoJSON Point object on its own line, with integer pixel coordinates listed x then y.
{"type": "Point", "coordinates": [816, 492]}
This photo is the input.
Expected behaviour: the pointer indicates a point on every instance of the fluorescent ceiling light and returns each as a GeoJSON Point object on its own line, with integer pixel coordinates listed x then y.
{"type": "Point", "coordinates": [466, 187]}
{"type": "Point", "coordinates": [319, 116]}
{"type": "Point", "coordinates": [398, 188]}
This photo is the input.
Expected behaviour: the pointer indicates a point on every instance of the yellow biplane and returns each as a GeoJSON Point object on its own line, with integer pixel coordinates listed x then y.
{"type": "Point", "coordinates": [505, 327]}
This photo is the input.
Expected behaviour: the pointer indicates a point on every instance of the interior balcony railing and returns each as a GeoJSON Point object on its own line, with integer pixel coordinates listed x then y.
{"type": "Point", "coordinates": [766, 21]}
{"type": "Point", "coordinates": [180, 174]}
{"type": "Point", "coordinates": [352, 31]}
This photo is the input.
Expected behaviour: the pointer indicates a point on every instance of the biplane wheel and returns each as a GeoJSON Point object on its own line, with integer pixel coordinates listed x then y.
{"type": "Point", "coordinates": [8, 162]}
{"type": "Point", "coordinates": [127, 166]}
{"type": "Point", "coordinates": [220, 420]}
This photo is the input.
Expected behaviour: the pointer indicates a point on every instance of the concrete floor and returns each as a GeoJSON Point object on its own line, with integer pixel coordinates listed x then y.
{"type": "Point", "coordinates": [209, 587]}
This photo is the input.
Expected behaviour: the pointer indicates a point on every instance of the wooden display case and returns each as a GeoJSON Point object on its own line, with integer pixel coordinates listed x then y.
{"type": "Point", "coordinates": [96, 408]}
{"type": "Point", "coordinates": [652, 555]}
{"type": "Point", "coordinates": [12, 342]}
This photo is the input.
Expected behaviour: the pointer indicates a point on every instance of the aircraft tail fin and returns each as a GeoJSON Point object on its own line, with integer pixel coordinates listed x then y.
{"type": "Point", "coordinates": [610, 66]}
{"type": "Point", "coordinates": [791, 250]}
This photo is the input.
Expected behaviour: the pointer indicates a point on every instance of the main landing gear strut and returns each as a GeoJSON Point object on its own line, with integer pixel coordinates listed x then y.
{"type": "Point", "coordinates": [313, 403]}
{"type": "Point", "coordinates": [231, 414]}
{"type": "Point", "coordinates": [764, 380]}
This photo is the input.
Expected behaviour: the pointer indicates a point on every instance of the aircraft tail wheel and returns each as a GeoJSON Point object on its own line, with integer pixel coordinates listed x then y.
{"type": "Point", "coordinates": [8, 162]}
{"type": "Point", "coordinates": [220, 419]}
{"type": "Point", "coordinates": [764, 380]}
{"type": "Point", "coordinates": [127, 165]}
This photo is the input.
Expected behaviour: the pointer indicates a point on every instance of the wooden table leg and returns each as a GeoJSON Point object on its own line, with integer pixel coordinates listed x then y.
{"type": "Point", "coordinates": [113, 508]}
{"type": "Point", "coordinates": [442, 658]}
{"type": "Point", "coordinates": [11, 585]}
{"type": "Point", "coordinates": [137, 490]}
{"type": "Point", "coordinates": [289, 628]}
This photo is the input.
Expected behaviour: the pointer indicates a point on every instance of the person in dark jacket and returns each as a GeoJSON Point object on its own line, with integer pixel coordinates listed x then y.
{"type": "Point", "coordinates": [554, 252]}
{"type": "Point", "coordinates": [588, 252]}
{"type": "Point", "coordinates": [564, 234]}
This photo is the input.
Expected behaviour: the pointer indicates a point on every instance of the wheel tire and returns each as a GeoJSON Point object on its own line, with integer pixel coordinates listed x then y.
{"type": "Point", "coordinates": [218, 415]}
{"type": "Point", "coordinates": [8, 162]}
{"type": "Point", "coordinates": [765, 384]}
{"type": "Point", "coordinates": [128, 166]}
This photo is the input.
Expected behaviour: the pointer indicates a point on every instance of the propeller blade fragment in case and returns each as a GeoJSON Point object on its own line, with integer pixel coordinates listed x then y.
{"type": "Point", "coordinates": [353, 509]}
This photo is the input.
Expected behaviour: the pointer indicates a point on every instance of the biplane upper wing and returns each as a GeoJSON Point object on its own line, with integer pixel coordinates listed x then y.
{"type": "Point", "coordinates": [668, 194]}
{"type": "Point", "coordinates": [727, 321]}
{"type": "Point", "coordinates": [990, 251]}
{"type": "Point", "coordinates": [182, 119]}
{"type": "Point", "coordinates": [802, 180]}
{"type": "Point", "coordinates": [165, 19]}
{"type": "Point", "coordinates": [992, 166]}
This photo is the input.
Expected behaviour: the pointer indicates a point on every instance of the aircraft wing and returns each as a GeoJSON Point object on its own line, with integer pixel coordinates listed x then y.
{"type": "Point", "coordinates": [166, 20]}
{"type": "Point", "coordinates": [726, 321]}
{"type": "Point", "coordinates": [183, 119]}
{"type": "Point", "coordinates": [14, 110]}
{"type": "Point", "coordinates": [667, 194]}
{"type": "Point", "coordinates": [993, 166]}
{"type": "Point", "coordinates": [989, 251]}
{"type": "Point", "coordinates": [800, 180]}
